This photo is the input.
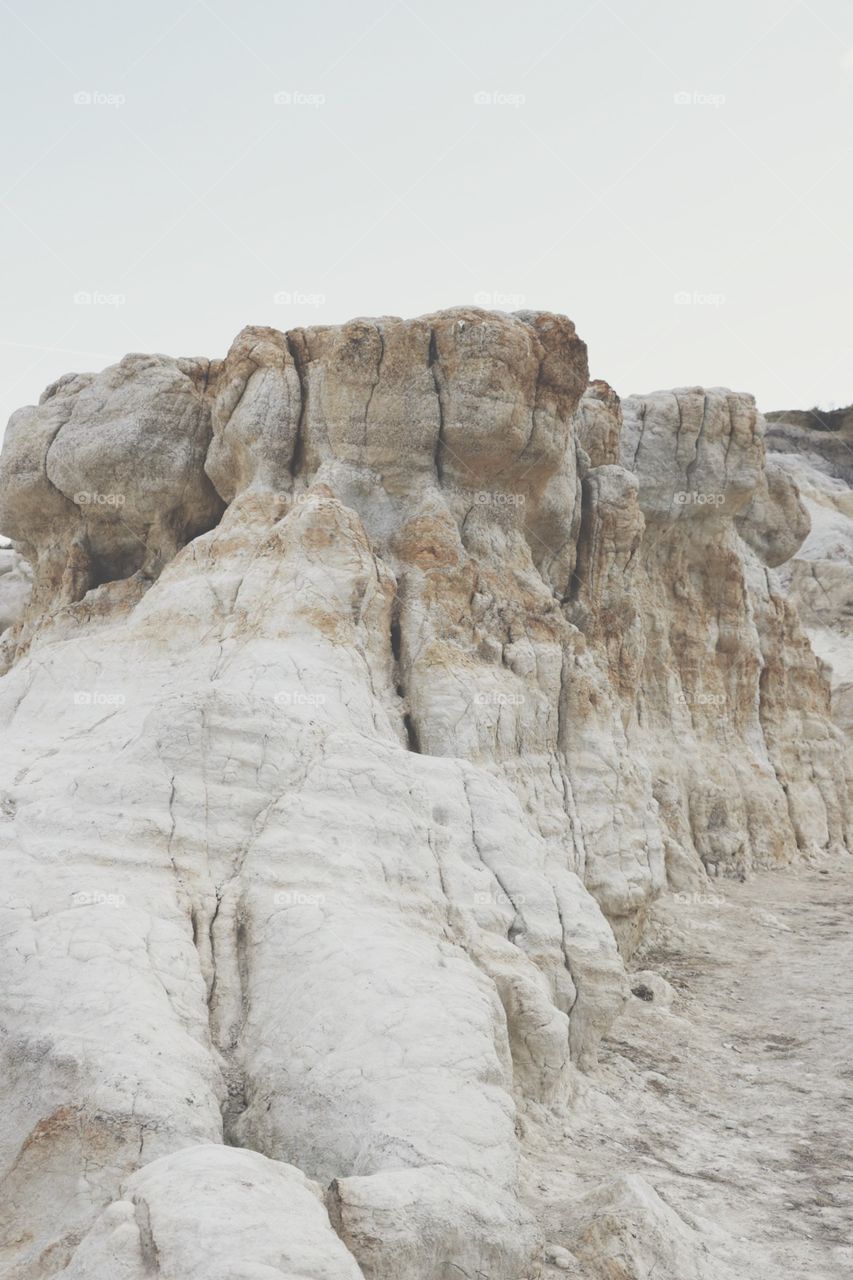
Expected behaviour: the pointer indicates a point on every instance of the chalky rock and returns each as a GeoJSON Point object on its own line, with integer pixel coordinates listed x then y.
{"type": "Point", "coordinates": [815, 452]}
{"type": "Point", "coordinates": [341, 762]}
{"type": "Point", "coordinates": [105, 477]}
{"type": "Point", "coordinates": [16, 585]}
{"type": "Point", "coordinates": [258, 1219]}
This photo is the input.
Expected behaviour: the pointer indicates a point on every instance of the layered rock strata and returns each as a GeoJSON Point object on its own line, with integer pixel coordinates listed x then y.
{"type": "Point", "coordinates": [374, 681]}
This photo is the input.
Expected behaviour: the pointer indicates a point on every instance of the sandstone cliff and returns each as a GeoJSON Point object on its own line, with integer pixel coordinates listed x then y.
{"type": "Point", "coordinates": [374, 682]}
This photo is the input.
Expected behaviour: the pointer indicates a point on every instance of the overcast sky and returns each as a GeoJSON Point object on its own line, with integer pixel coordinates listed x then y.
{"type": "Point", "coordinates": [674, 176]}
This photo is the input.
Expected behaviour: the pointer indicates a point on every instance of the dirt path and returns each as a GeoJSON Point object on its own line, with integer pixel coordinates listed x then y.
{"type": "Point", "coordinates": [736, 1102]}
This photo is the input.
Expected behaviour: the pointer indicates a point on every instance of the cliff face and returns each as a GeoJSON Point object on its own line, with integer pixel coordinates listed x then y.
{"type": "Point", "coordinates": [374, 681]}
{"type": "Point", "coordinates": [815, 450]}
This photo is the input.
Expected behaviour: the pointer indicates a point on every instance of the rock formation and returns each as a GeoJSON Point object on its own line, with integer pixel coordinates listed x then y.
{"type": "Point", "coordinates": [815, 449]}
{"type": "Point", "coordinates": [374, 681]}
{"type": "Point", "coordinates": [16, 584]}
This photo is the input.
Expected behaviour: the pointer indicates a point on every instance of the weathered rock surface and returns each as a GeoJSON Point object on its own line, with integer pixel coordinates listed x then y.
{"type": "Point", "coordinates": [260, 1218]}
{"type": "Point", "coordinates": [375, 681]}
{"type": "Point", "coordinates": [729, 1101]}
{"type": "Point", "coordinates": [815, 452]}
{"type": "Point", "coordinates": [16, 584]}
{"type": "Point", "coordinates": [623, 1228]}
{"type": "Point", "coordinates": [824, 434]}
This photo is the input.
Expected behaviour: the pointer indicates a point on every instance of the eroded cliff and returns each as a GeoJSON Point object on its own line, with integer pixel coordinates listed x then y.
{"type": "Point", "coordinates": [374, 682]}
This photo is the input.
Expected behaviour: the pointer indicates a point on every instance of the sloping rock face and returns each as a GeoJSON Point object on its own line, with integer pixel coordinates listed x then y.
{"type": "Point", "coordinates": [815, 451]}
{"type": "Point", "coordinates": [374, 681]}
{"type": "Point", "coordinates": [822, 434]}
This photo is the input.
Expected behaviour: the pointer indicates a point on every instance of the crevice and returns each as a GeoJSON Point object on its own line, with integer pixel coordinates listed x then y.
{"type": "Point", "coordinates": [642, 417]}
{"type": "Point", "coordinates": [223, 948]}
{"type": "Point", "coordinates": [395, 640]}
{"type": "Point", "coordinates": [147, 1243]}
{"type": "Point", "coordinates": [376, 379]}
{"type": "Point", "coordinates": [729, 442]}
{"type": "Point", "coordinates": [587, 549]}
{"type": "Point", "coordinates": [566, 960]}
{"type": "Point", "coordinates": [411, 733]}
{"type": "Point", "coordinates": [517, 926]}
{"type": "Point", "coordinates": [439, 440]}
{"type": "Point", "coordinates": [398, 678]}
{"type": "Point", "coordinates": [212, 944]}
{"type": "Point", "coordinates": [237, 1101]}
{"type": "Point", "coordinates": [691, 467]}
{"type": "Point", "coordinates": [533, 412]}
{"type": "Point", "coordinates": [334, 1207]}
{"type": "Point", "coordinates": [173, 827]}
{"type": "Point", "coordinates": [298, 455]}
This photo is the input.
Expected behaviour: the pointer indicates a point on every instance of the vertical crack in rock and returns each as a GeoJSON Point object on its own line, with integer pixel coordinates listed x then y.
{"type": "Point", "coordinates": [147, 1244]}
{"type": "Point", "coordinates": [379, 362]}
{"type": "Point", "coordinates": [295, 345]}
{"type": "Point", "coordinates": [434, 366]}
{"type": "Point", "coordinates": [534, 407]}
{"type": "Point", "coordinates": [692, 465]}
{"type": "Point", "coordinates": [398, 676]}
{"type": "Point", "coordinates": [228, 987]}
{"type": "Point", "coordinates": [641, 433]}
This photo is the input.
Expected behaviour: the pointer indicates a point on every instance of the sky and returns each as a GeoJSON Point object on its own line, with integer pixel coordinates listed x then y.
{"type": "Point", "coordinates": [675, 177]}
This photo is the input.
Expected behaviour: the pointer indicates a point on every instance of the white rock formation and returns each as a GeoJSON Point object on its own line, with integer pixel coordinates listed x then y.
{"type": "Point", "coordinates": [375, 680]}
{"type": "Point", "coordinates": [258, 1218]}
{"type": "Point", "coordinates": [16, 584]}
{"type": "Point", "coordinates": [816, 452]}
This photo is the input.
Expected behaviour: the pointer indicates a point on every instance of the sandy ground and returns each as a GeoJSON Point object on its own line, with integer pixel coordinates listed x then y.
{"type": "Point", "coordinates": [736, 1102]}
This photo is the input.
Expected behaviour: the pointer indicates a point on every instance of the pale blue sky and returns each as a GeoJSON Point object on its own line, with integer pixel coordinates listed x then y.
{"type": "Point", "coordinates": [188, 202]}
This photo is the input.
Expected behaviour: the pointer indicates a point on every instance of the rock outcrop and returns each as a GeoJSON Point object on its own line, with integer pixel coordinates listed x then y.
{"type": "Point", "coordinates": [16, 585]}
{"type": "Point", "coordinates": [815, 451]}
{"type": "Point", "coordinates": [374, 682]}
